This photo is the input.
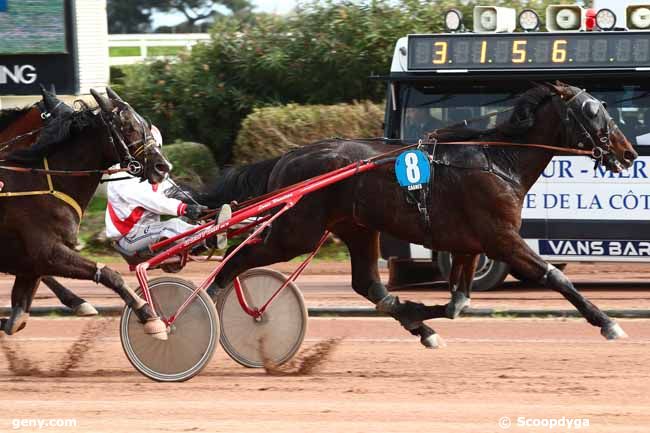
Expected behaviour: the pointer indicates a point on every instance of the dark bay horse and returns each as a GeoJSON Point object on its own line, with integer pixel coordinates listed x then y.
{"type": "Point", "coordinates": [475, 200]}
{"type": "Point", "coordinates": [39, 232]}
{"type": "Point", "coordinates": [20, 128]}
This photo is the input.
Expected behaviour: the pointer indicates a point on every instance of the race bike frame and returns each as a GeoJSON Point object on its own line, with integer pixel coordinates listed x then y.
{"type": "Point", "coordinates": [280, 201]}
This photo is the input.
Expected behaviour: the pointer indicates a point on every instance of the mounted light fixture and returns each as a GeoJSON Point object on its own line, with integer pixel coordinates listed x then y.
{"type": "Point", "coordinates": [529, 20]}
{"type": "Point", "coordinates": [453, 20]}
{"type": "Point", "coordinates": [565, 18]}
{"type": "Point", "coordinates": [606, 19]}
{"type": "Point", "coordinates": [638, 17]}
{"type": "Point", "coordinates": [490, 19]}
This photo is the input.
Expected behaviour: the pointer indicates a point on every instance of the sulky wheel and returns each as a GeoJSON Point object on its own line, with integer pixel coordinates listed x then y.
{"type": "Point", "coordinates": [192, 338]}
{"type": "Point", "coordinates": [280, 330]}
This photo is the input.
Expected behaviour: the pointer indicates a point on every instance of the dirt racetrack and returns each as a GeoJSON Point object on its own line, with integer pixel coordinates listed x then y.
{"type": "Point", "coordinates": [377, 380]}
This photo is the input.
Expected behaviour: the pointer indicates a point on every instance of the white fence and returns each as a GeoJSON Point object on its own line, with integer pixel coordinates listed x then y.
{"type": "Point", "coordinates": [141, 44]}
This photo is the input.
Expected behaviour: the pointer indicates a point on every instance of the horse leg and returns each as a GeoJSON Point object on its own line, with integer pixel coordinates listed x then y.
{"type": "Point", "coordinates": [65, 262]}
{"type": "Point", "coordinates": [460, 283]}
{"type": "Point", "coordinates": [22, 294]}
{"type": "Point", "coordinates": [68, 298]}
{"type": "Point", "coordinates": [363, 244]}
{"type": "Point", "coordinates": [514, 251]}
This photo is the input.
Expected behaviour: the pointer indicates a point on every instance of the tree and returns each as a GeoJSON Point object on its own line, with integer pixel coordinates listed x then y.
{"type": "Point", "coordinates": [135, 16]}
{"type": "Point", "coordinates": [196, 11]}
{"type": "Point", "coordinates": [129, 16]}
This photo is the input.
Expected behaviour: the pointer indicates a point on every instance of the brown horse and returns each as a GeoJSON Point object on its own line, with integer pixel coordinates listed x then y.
{"type": "Point", "coordinates": [475, 200]}
{"type": "Point", "coordinates": [20, 129]}
{"type": "Point", "coordinates": [39, 231]}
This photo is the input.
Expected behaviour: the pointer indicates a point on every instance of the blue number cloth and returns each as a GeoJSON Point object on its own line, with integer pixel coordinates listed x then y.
{"type": "Point", "coordinates": [412, 168]}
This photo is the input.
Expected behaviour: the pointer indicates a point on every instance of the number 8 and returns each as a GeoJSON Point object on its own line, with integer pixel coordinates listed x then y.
{"type": "Point", "coordinates": [412, 169]}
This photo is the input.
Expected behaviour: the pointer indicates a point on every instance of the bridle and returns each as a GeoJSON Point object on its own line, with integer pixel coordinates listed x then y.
{"type": "Point", "coordinates": [577, 113]}
{"type": "Point", "coordinates": [128, 152]}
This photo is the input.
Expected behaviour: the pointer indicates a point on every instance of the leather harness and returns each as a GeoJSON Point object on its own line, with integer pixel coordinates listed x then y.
{"type": "Point", "coordinates": [50, 191]}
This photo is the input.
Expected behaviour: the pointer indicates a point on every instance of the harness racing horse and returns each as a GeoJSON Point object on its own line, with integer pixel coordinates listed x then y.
{"type": "Point", "coordinates": [20, 128]}
{"type": "Point", "coordinates": [39, 215]}
{"type": "Point", "coordinates": [475, 199]}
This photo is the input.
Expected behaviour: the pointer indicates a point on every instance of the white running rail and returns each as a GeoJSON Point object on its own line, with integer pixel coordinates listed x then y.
{"type": "Point", "coordinates": [147, 40]}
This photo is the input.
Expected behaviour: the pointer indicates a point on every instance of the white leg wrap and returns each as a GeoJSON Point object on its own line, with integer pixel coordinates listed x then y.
{"type": "Point", "coordinates": [387, 304]}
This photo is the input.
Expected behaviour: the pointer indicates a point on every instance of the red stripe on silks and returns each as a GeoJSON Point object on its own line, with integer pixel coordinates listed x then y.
{"type": "Point", "coordinates": [180, 211]}
{"type": "Point", "coordinates": [124, 226]}
{"type": "Point", "coordinates": [154, 187]}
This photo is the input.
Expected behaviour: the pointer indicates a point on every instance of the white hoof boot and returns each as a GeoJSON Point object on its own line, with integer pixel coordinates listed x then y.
{"type": "Point", "coordinates": [85, 310]}
{"type": "Point", "coordinates": [433, 341]}
{"type": "Point", "coordinates": [156, 328]}
{"type": "Point", "coordinates": [613, 331]}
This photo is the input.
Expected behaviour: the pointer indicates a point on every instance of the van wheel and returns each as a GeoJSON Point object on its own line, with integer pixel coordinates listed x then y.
{"type": "Point", "coordinates": [488, 276]}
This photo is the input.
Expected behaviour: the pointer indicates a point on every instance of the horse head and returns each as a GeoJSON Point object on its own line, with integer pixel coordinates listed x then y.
{"type": "Point", "coordinates": [135, 143]}
{"type": "Point", "coordinates": [591, 127]}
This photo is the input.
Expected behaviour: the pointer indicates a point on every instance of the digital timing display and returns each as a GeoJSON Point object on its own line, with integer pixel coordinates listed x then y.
{"type": "Point", "coordinates": [582, 50]}
{"type": "Point", "coordinates": [32, 27]}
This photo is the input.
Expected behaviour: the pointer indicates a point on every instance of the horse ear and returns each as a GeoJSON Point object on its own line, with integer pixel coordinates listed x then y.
{"type": "Point", "coordinates": [558, 88]}
{"type": "Point", "coordinates": [53, 89]}
{"type": "Point", "coordinates": [49, 99]}
{"type": "Point", "coordinates": [104, 103]}
{"type": "Point", "coordinates": [112, 94]}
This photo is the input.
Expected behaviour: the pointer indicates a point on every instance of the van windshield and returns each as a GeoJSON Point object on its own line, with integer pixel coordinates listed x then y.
{"type": "Point", "coordinates": [426, 109]}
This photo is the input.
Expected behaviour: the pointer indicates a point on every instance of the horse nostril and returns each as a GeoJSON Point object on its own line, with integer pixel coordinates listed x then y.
{"type": "Point", "coordinates": [630, 155]}
{"type": "Point", "coordinates": [162, 168]}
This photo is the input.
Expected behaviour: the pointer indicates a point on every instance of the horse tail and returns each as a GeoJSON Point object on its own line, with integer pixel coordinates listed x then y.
{"type": "Point", "coordinates": [238, 184]}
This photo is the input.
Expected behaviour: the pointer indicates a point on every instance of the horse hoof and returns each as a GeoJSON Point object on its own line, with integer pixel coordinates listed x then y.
{"type": "Point", "coordinates": [433, 341]}
{"type": "Point", "coordinates": [156, 328]}
{"type": "Point", "coordinates": [613, 331]}
{"type": "Point", "coordinates": [85, 310]}
{"type": "Point", "coordinates": [16, 323]}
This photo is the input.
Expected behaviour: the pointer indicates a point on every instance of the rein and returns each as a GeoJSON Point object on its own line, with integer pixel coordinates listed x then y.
{"type": "Point", "coordinates": [49, 172]}
{"type": "Point", "coordinates": [566, 150]}
{"type": "Point", "coordinates": [6, 144]}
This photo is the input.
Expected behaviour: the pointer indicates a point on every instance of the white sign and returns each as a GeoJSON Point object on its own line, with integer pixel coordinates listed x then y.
{"type": "Point", "coordinates": [570, 188]}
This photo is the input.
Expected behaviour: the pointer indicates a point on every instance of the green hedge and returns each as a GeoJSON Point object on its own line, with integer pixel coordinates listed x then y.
{"type": "Point", "coordinates": [193, 162]}
{"type": "Point", "coordinates": [271, 131]}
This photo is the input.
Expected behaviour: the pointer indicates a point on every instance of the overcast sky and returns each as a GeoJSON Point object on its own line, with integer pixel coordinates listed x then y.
{"type": "Point", "coordinates": [274, 6]}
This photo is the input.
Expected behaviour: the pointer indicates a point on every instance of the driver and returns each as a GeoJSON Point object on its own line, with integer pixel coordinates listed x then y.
{"type": "Point", "coordinates": [135, 207]}
{"type": "Point", "coordinates": [418, 122]}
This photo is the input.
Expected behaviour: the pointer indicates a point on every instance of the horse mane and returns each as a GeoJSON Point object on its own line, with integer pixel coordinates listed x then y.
{"type": "Point", "coordinates": [519, 122]}
{"type": "Point", "coordinates": [9, 115]}
{"type": "Point", "coordinates": [57, 131]}
{"type": "Point", "coordinates": [238, 183]}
